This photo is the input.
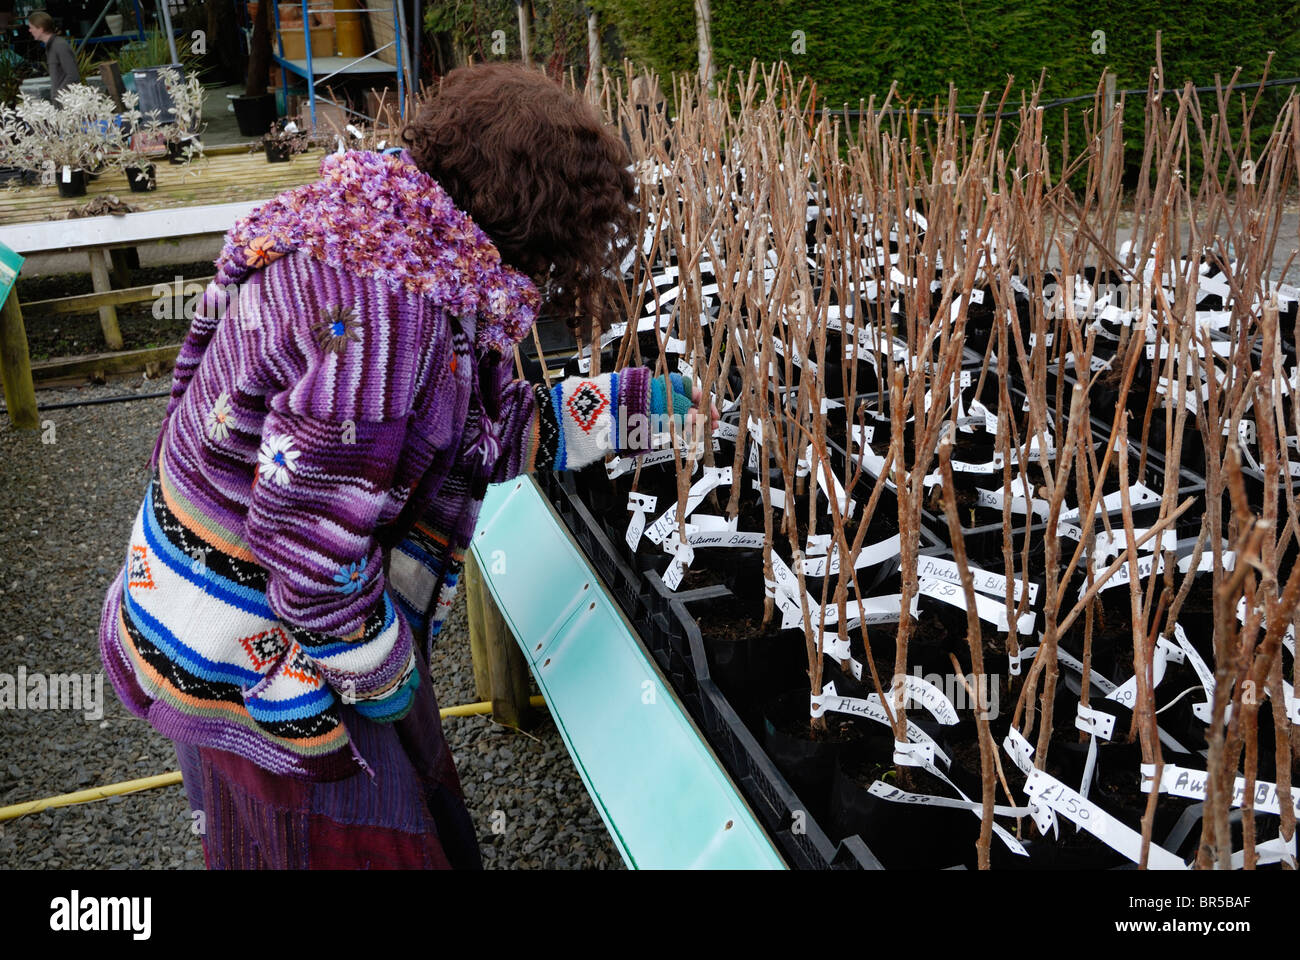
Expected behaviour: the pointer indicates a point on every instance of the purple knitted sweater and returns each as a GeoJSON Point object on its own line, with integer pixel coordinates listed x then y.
{"type": "Point", "coordinates": [341, 402]}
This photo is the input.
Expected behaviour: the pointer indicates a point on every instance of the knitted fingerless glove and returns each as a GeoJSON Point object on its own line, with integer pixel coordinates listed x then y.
{"type": "Point", "coordinates": [580, 420]}
{"type": "Point", "coordinates": [679, 388]}
{"type": "Point", "coordinates": [598, 415]}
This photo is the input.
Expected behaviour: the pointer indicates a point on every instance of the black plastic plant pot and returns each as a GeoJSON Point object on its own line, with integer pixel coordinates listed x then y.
{"type": "Point", "coordinates": [73, 184]}
{"type": "Point", "coordinates": [254, 115]}
{"type": "Point", "coordinates": [278, 152]}
{"type": "Point", "coordinates": [807, 764]}
{"type": "Point", "coordinates": [750, 666]}
{"type": "Point", "coordinates": [178, 151]}
{"type": "Point", "coordinates": [142, 179]}
{"type": "Point", "coordinates": [902, 835]}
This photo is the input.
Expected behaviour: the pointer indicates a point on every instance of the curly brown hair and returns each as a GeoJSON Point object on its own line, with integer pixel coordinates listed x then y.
{"type": "Point", "coordinates": [538, 170]}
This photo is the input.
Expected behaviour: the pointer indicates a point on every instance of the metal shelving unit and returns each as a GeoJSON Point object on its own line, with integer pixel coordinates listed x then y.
{"type": "Point", "coordinates": [319, 70]}
{"type": "Point", "coordinates": [138, 34]}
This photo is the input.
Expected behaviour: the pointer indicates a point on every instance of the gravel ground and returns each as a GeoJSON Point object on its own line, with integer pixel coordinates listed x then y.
{"type": "Point", "coordinates": [68, 494]}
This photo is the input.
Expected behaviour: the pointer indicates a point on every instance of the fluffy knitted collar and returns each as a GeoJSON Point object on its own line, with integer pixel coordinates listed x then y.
{"type": "Point", "coordinates": [378, 215]}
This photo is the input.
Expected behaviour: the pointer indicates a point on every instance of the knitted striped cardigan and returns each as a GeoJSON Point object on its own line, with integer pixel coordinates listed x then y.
{"type": "Point", "coordinates": [339, 406]}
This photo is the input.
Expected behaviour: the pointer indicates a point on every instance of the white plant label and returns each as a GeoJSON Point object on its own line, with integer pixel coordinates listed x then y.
{"type": "Point", "coordinates": [1046, 789]}
{"type": "Point", "coordinates": [786, 582]}
{"type": "Point", "coordinates": [713, 477]}
{"type": "Point", "coordinates": [993, 500]}
{"type": "Point", "coordinates": [934, 700]}
{"type": "Point", "coordinates": [869, 556]}
{"type": "Point", "coordinates": [673, 575]}
{"type": "Point", "coordinates": [872, 709]}
{"type": "Point", "coordinates": [1202, 711]}
{"type": "Point", "coordinates": [842, 502]}
{"type": "Point", "coordinates": [738, 539]}
{"type": "Point", "coordinates": [621, 465]}
{"type": "Point", "coordinates": [1097, 722]}
{"type": "Point", "coordinates": [989, 610]}
{"type": "Point", "coordinates": [1146, 566]}
{"type": "Point", "coordinates": [1113, 542]}
{"type": "Point", "coordinates": [1022, 755]}
{"type": "Point", "coordinates": [1189, 783]}
{"type": "Point", "coordinates": [886, 792]}
{"type": "Point", "coordinates": [913, 754]}
{"type": "Point", "coordinates": [1014, 660]}
{"type": "Point", "coordinates": [1126, 693]}
{"type": "Point", "coordinates": [1227, 557]}
{"type": "Point", "coordinates": [67, 173]}
{"type": "Point", "coordinates": [1270, 851]}
{"type": "Point", "coordinates": [985, 581]}
{"type": "Point", "coordinates": [840, 651]}
{"type": "Point", "coordinates": [727, 431]}
{"type": "Point", "coordinates": [776, 496]}
{"type": "Point", "coordinates": [871, 610]}
{"type": "Point", "coordinates": [818, 545]}
{"type": "Point", "coordinates": [1140, 495]}
{"type": "Point", "coordinates": [1069, 530]}
{"type": "Point", "coordinates": [683, 554]}
{"type": "Point", "coordinates": [791, 612]}
{"type": "Point", "coordinates": [640, 504]}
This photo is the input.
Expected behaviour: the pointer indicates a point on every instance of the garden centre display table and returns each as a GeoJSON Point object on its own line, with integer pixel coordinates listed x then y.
{"type": "Point", "coordinates": [96, 236]}
{"type": "Point", "coordinates": [661, 791]}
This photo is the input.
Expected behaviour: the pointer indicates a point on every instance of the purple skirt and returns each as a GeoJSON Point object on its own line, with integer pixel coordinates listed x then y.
{"type": "Point", "coordinates": [411, 816]}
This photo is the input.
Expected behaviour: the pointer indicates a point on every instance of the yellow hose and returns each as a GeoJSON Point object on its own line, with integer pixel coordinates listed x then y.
{"type": "Point", "coordinates": [94, 793]}
{"type": "Point", "coordinates": [168, 779]}
{"type": "Point", "coordinates": [470, 709]}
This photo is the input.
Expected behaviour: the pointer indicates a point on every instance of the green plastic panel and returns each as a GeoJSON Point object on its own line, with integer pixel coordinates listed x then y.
{"type": "Point", "coordinates": [665, 798]}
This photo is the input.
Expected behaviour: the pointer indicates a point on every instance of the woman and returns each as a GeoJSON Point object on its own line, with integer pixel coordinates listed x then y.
{"type": "Point", "coordinates": [59, 58]}
{"type": "Point", "coordinates": [324, 455]}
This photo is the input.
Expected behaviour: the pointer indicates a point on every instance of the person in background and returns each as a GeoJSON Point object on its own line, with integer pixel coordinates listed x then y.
{"type": "Point", "coordinates": [59, 58]}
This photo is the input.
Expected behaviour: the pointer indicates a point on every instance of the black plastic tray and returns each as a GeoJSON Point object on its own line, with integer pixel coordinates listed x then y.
{"type": "Point", "coordinates": [672, 638]}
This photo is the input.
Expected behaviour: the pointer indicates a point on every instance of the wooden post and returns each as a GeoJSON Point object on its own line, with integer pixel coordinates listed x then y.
{"type": "Point", "coordinates": [702, 31]}
{"type": "Point", "coordinates": [16, 366]}
{"type": "Point", "coordinates": [593, 53]}
{"type": "Point", "coordinates": [120, 270]}
{"type": "Point", "coordinates": [520, 6]}
{"type": "Point", "coordinates": [111, 74]}
{"type": "Point", "coordinates": [1109, 108]}
{"type": "Point", "coordinates": [474, 609]}
{"type": "Point", "coordinates": [107, 314]}
{"type": "Point", "coordinates": [506, 668]}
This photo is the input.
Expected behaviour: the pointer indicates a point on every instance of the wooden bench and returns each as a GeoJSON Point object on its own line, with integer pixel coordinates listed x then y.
{"type": "Point", "coordinates": [103, 239]}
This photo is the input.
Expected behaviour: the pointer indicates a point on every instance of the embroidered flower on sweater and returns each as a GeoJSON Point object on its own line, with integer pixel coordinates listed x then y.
{"type": "Point", "coordinates": [259, 252]}
{"type": "Point", "coordinates": [337, 327]}
{"type": "Point", "coordinates": [277, 458]}
{"type": "Point", "coordinates": [351, 576]}
{"type": "Point", "coordinates": [219, 418]}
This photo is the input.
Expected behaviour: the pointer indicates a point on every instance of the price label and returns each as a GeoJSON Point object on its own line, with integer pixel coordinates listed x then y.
{"type": "Point", "coordinates": [640, 504]}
